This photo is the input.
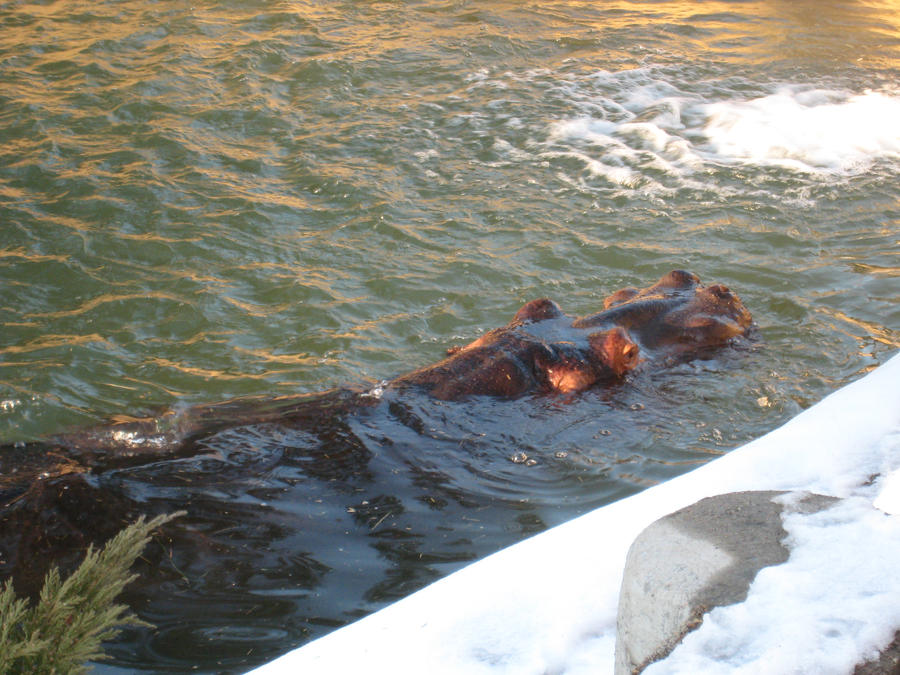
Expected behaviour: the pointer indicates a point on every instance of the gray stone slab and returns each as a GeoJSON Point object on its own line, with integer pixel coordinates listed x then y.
{"type": "Point", "coordinates": [703, 556]}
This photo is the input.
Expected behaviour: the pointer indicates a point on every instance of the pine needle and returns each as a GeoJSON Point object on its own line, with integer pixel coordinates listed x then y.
{"type": "Point", "coordinates": [72, 618]}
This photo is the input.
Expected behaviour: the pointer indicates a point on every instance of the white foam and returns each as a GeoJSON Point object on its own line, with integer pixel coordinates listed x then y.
{"type": "Point", "coordinates": [628, 154]}
{"type": "Point", "coordinates": [806, 130]}
{"type": "Point", "coordinates": [648, 135]}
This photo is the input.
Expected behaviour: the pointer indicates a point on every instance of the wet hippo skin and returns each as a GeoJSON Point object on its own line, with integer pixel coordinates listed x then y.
{"type": "Point", "coordinates": [675, 317]}
{"type": "Point", "coordinates": [520, 359]}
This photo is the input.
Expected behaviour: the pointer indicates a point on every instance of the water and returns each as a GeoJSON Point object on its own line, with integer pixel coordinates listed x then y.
{"type": "Point", "coordinates": [220, 200]}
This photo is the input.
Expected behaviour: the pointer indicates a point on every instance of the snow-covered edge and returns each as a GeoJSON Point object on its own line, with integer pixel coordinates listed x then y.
{"type": "Point", "coordinates": [548, 604]}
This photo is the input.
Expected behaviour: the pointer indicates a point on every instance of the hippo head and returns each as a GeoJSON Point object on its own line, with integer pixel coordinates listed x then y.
{"type": "Point", "coordinates": [536, 352]}
{"type": "Point", "coordinates": [544, 350]}
{"type": "Point", "coordinates": [676, 316]}
{"type": "Point", "coordinates": [610, 351]}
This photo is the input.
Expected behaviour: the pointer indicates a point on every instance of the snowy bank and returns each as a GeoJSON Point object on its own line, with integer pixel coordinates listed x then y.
{"type": "Point", "coordinates": [549, 604]}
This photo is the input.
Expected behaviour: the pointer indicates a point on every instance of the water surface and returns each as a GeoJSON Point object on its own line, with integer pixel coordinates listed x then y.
{"type": "Point", "coordinates": [243, 199]}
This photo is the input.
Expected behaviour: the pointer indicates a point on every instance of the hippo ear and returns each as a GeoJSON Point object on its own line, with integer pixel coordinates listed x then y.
{"type": "Point", "coordinates": [537, 310]}
{"type": "Point", "coordinates": [616, 349]}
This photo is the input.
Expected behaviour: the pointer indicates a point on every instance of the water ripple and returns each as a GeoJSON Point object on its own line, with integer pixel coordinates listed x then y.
{"type": "Point", "coordinates": [245, 200]}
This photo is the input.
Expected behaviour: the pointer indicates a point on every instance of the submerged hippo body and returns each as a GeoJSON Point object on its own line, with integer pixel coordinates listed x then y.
{"type": "Point", "coordinates": [541, 350]}
{"type": "Point", "coordinates": [48, 508]}
{"type": "Point", "coordinates": [274, 485]}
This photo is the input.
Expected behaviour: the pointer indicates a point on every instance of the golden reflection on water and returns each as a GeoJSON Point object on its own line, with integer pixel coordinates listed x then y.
{"type": "Point", "coordinates": [106, 298]}
{"type": "Point", "coordinates": [31, 257]}
{"type": "Point", "coordinates": [257, 310]}
{"type": "Point", "coordinates": [863, 32]}
{"type": "Point", "coordinates": [836, 18]}
{"type": "Point", "coordinates": [876, 270]}
{"type": "Point", "coordinates": [205, 373]}
{"type": "Point", "coordinates": [268, 356]}
{"type": "Point", "coordinates": [158, 238]}
{"type": "Point", "coordinates": [52, 342]}
{"type": "Point", "coordinates": [864, 329]}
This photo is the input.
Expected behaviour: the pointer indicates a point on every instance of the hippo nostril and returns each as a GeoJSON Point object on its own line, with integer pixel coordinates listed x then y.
{"type": "Point", "coordinates": [630, 353]}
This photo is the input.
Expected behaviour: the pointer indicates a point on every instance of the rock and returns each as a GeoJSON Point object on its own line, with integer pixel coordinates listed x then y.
{"type": "Point", "coordinates": [886, 663]}
{"type": "Point", "coordinates": [683, 565]}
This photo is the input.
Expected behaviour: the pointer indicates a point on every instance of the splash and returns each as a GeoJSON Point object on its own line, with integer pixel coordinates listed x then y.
{"type": "Point", "coordinates": [811, 131]}
{"type": "Point", "coordinates": [644, 135]}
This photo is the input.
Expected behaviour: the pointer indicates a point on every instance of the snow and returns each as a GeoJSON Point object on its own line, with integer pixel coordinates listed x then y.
{"type": "Point", "coordinates": [835, 597]}
{"type": "Point", "coordinates": [888, 499]}
{"type": "Point", "coordinates": [548, 604]}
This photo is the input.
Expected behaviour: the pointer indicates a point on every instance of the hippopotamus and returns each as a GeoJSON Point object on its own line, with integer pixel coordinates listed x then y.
{"type": "Point", "coordinates": [48, 509]}
{"type": "Point", "coordinates": [541, 350]}
{"type": "Point", "coordinates": [273, 486]}
{"type": "Point", "coordinates": [544, 350]}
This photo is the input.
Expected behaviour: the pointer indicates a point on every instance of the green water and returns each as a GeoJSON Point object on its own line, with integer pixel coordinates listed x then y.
{"type": "Point", "coordinates": [245, 198]}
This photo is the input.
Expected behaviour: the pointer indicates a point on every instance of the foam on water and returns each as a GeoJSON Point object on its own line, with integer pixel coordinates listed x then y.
{"type": "Point", "coordinates": [646, 135]}
{"type": "Point", "coordinates": [812, 131]}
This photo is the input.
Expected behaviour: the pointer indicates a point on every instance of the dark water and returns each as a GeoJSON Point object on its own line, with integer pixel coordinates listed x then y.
{"type": "Point", "coordinates": [207, 201]}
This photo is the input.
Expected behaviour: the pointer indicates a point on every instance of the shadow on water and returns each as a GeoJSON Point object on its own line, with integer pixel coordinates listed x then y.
{"type": "Point", "coordinates": [299, 526]}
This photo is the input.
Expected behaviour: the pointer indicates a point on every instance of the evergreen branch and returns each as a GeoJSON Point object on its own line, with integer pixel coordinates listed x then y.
{"type": "Point", "coordinates": [73, 617]}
